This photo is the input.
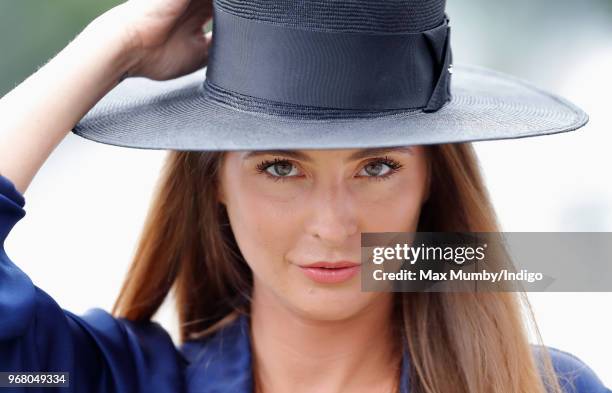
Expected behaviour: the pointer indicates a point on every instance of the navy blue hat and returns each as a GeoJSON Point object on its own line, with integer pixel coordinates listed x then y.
{"type": "Point", "coordinates": [326, 74]}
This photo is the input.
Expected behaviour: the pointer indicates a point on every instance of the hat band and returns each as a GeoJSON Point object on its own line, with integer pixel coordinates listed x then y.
{"type": "Point", "coordinates": [344, 70]}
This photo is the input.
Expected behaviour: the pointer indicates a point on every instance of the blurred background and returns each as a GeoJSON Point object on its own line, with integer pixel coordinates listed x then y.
{"type": "Point", "coordinates": [559, 182]}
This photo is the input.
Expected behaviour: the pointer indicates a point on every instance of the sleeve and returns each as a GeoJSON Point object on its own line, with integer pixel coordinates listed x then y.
{"type": "Point", "coordinates": [101, 353]}
{"type": "Point", "coordinates": [573, 374]}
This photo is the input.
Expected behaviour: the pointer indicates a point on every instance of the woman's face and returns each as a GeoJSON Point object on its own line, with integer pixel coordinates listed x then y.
{"type": "Point", "coordinates": [288, 209]}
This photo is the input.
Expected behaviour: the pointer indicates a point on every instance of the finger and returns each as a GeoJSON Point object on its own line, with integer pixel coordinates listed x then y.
{"type": "Point", "coordinates": [164, 8]}
{"type": "Point", "coordinates": [196, 13]}
{"type": "Point", "coordinates": [191, 25]}
{"type": "Point", "coordinates": [204, 50]}
{"type": "Point", "coordinates": [196, 53]}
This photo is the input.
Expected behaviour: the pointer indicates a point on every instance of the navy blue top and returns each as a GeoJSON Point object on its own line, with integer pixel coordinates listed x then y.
{"type": "Point", "coordinates": [107, 354]}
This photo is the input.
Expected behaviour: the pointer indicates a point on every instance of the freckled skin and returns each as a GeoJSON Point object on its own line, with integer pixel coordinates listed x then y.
{"type": "Point", "coordinates": [317, 212]}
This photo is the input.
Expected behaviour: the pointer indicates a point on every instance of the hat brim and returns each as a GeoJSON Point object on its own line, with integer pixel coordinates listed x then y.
{"type": "Point", "coordinates": [179, 115]}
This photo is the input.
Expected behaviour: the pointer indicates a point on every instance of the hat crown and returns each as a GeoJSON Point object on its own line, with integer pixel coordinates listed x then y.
{"type": "Point", "coordinates": [380, 16]}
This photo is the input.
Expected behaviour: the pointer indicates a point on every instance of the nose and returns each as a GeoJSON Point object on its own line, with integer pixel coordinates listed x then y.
{"type": "Point", "coordinates": [332, 216]}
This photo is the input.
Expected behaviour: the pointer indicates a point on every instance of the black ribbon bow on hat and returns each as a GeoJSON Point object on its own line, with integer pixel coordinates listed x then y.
{"type": "Point", "coordinates": [442, 50]}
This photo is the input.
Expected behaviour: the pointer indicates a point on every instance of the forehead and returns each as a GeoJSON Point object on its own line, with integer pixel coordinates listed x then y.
{"type": "Point", "coordinates": [348, 154]}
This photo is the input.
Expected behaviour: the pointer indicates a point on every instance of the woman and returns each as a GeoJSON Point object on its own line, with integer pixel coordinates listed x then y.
{"type": "Point", "coordinates": [232, 233]}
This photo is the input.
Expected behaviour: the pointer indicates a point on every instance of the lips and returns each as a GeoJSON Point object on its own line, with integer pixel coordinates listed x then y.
{"type": "Point", "coordinates": [331, 272]}
{"type": "Point", "coordinates": [332, 265]}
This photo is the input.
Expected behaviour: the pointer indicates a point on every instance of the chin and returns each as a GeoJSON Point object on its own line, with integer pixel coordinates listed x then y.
{"type": "Point", "coordinates": [331, 304]}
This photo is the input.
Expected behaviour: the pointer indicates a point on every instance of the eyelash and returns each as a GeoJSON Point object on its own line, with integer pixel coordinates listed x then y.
{"type": "Point", "coordinates": [393, 165]}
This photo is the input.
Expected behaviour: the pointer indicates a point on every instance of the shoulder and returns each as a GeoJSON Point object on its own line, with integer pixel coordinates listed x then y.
{"type": "Point", "coordinates": [573, 374]}
{"type": "Point", "coordinates": [228, 336]}
{"type": "Point", "coordinates": [221, 359]}
{"type": "Point", "coordinates": [146, 338]}
{"type": "Point", "coordinates": [139, 354]}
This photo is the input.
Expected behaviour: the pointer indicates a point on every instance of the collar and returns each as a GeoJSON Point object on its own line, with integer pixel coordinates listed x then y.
{"type": "Point", "coordinates": [222, 361]}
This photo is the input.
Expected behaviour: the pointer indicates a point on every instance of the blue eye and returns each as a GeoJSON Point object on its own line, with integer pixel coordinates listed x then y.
{"type": "Point", "coordinates": [375, 169]}
{"type": "Point", "coordinates": [282, 169]}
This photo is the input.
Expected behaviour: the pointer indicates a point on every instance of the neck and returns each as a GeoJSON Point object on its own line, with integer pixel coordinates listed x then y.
{"type": "Point", "coordinates": [292, 353]}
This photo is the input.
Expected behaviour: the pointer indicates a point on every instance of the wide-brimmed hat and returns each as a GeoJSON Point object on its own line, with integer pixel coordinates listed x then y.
{"type": "Point", "coordinates": [325, 74]}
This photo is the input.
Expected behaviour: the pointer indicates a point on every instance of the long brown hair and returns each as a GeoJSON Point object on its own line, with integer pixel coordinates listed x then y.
{"type": "Point", "coordinates": [458, 342]}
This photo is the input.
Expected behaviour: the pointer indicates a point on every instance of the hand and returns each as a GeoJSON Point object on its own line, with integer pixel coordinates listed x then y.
{"type": "Point", "coordinates": [164, 38]}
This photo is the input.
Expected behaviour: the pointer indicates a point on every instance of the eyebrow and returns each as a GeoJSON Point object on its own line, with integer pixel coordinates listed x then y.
{"type": "Point", "coordinates": [299, 155]}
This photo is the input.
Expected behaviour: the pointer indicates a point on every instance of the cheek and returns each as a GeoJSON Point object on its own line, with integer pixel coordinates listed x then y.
{"type": "Point", "coordinates": [262, 227]}
{"type": "Point", "coordinates": [396, 208]}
